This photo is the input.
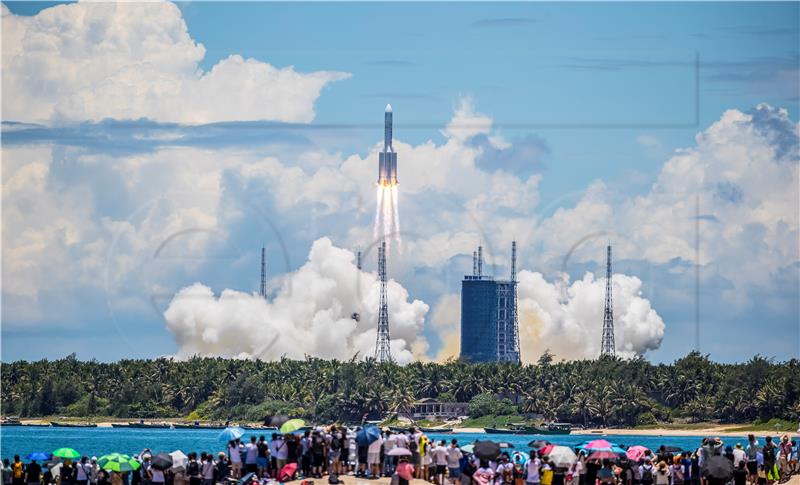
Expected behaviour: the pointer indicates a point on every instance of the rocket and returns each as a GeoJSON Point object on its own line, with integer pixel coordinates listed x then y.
{"type": "Point", "coordinates": [387, 158]}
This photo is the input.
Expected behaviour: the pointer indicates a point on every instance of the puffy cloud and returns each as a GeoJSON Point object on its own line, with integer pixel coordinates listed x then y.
{"type": "Point", "coordinates": [744, 167]}
{"type": "Point", "coordinates": [567, 318]}
{"type": "Point", "coordinates": [90, 61]}
{"type": "Point", "coordinates": [743, 171]}
{"type": "Point", "coordinates": [310, 314]}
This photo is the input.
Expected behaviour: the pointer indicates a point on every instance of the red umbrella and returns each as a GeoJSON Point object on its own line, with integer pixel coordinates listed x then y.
{"type": "Point", "coordinates": [636, 452]}
{"type": "Point", "coordinates": [603, 455]}
{"type": "Point", "coordinates": [287, 472]}
{"type": "Point", "coordinates": [545, 450]}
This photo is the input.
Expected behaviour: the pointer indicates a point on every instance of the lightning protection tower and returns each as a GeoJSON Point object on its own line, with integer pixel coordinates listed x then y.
{"type": "Point", "coordinates": [382, 350]}
{"type": "Point", "coordinates": [607, 345]}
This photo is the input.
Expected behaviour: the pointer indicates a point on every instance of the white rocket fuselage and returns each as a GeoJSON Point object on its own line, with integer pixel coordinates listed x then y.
{"type": "Point", "coordinates": [387, 158]}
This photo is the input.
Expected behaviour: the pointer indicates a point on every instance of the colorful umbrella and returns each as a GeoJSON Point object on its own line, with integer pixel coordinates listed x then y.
{"type": "Point", "coordinates": [287, 472]}
{"type": "Point", "coordinates": [38, 455]}
{"type": "Point", "coordinates": [231, 433]}
{"type": "Point", "coordinates": [545, 450]}
{"type": "Point", "coordinates": [600, 445]}
{"type": "Point", "coordinates": [292, 425]}
{"type": "Point", "coordinates": [603, 455]}
{"type": "Point", "coordinates": [368, 435]}
{"type": "Point", "coordinates": [117, 462]}
{"type": "Point", "coordinates": [520, 457]}
{"type": "Point", "coordinates": [634, 453]}
{"type": "Point", "coordinates": [66, 453]}
{"type": "Point", "coordinates": [562, 456]}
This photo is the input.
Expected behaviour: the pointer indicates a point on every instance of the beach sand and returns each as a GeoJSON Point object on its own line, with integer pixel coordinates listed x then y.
{"type": "Point", "coordinates": [350, 480]}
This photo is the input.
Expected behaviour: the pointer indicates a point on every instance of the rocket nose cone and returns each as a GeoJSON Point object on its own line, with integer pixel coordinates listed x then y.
{"type": "Point", "coordinates": [388, 108]}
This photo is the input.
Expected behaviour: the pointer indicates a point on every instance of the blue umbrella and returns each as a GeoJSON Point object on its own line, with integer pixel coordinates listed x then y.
{"type": "Point", "coordinates": [231, 433]}
{"type": "Point", "coordinates": [39, 456]}
{"type": "Point", "coordinates": [520, 457]}
{"type": "Point", "coordinates": [368, 435]}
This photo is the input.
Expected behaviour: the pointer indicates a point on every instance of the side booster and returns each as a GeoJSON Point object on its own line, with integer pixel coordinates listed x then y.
{"type": "Point", "coordinates": [387, 158]}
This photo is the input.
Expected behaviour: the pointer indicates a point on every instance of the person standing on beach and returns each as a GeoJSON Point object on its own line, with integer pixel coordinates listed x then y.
{"type": "Point", "coordinates": [454, 456]}
{"type": "Point", "coordinates": [83, 471]}
{"type": "Point", "coordinates": [440, 461]}
{"type": "Point", "coordinates": [33, 473]}
{"type": "Point", "coordinates": [646, 472]}
{"type": "Point", "coordinates": [281, 453]}
{"type": "Point", "coordinates": [405, 471]}
{"type": "Point", "coordinates": [67, 473]}
{"type": "Point", "coordinates": [207, 470]}
{"type": "Point", "coordinates": [17, 471]}
{"type": "Point", "coordinates": [389, 462]}
{"type": "Point", "coordinates": [193, 470]}
{"type": "Point", "coordinates": [785, 456]}
{"type": "Point", "coordinates": [751, 452]}
{"type": "Point", "coordinates": [93, 471]}
{"type": "Point", "coordinates": [157, 476]}
{"type": "Point", "coordinates": [8, 473]}
{"type": "Point", "coordinates": [262, 458]}
{"type": "Point", "coordinates": [769, 453]}
{"type": "Point", "coordinates": [374, 457]}
{"type": "Point", "coordinates": [335, 451]}
{"type": "Point", "coordinates": [235, 459]}
{"type": "Point", "coordinates": [305, 454]}
{"type": "Point", "coordinates": [223, 468]}
{"type": "Point", "coordinates": [251, 456]}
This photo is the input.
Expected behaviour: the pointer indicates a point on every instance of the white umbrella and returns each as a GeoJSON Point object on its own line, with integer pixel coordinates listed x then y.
{"type": "Point", "coordinates": [399, 452]}
{"type": "Point", "coordinates": [179, 459]}
{"type": "Point", "coordinates": [56, 470]}
{"type": "Point", "coordinates": [562, 456]}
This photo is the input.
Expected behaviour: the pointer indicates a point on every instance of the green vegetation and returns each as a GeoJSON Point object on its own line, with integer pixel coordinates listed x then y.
{"type": "Point", "coordinates": [493, 421]}
{"type": "Point", "coordinates": [487, 404]}
{"type": "Point", "coordinates": [773, 424]}
{"type": "Point", "coordinates": [607, 391]}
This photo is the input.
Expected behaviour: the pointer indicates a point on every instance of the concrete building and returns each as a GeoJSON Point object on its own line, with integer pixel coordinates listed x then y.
{"type": "Point", "coordinates": [489, 331]}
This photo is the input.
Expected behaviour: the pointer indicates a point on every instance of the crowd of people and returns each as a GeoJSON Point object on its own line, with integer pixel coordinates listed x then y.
{"type": "Point", "coordinates": [406, 455]}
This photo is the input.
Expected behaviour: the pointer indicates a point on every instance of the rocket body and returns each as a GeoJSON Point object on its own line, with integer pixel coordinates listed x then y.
{"type": "Point", "coordinates": [387, 158]}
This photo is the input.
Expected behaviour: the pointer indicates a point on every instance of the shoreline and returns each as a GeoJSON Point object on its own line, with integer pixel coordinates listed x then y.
{"type": "Point", "coordinates": [720, 430]}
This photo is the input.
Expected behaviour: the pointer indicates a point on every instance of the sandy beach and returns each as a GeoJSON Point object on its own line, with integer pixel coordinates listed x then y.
{"type": "Point", "coordinates": [351, 480]}
{"type": "Point", "coordinates": [719, 430]}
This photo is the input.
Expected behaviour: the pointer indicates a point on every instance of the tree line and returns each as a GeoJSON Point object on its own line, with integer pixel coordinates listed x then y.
{"type": "Point", "coordinates": [607, 391]}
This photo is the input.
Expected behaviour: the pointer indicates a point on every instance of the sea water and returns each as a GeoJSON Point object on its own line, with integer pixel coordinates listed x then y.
{"type": "Point", "coordinates": [22, 440]}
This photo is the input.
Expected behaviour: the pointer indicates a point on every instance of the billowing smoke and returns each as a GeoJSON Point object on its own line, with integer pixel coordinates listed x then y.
{"type": "Point", "coordinates": [311, 314]}
{"type": "Point", "coordinates": [567, 318]}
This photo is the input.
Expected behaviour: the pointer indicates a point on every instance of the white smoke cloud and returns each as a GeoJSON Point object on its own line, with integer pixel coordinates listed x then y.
{"type": "Point", "coordinates": [90, 61]}
{"type": "Point", "coordinates": [310, 314]}
{"type": "Point", "coordinates": [567, 318]}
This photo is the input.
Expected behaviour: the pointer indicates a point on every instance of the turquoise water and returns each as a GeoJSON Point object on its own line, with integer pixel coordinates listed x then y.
{"type": "Point", "coordinates": [98, 441]}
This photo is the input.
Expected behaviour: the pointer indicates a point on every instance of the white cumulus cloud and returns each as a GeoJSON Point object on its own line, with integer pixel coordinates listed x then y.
{"type": "Point", "coordinates": [90, 61]}
{"type": "Point", "coordinates": [310, 314]}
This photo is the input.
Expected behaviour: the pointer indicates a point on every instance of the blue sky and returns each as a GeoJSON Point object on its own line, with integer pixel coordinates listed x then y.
{"type": "Point", "coordinates": [577, 116]}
